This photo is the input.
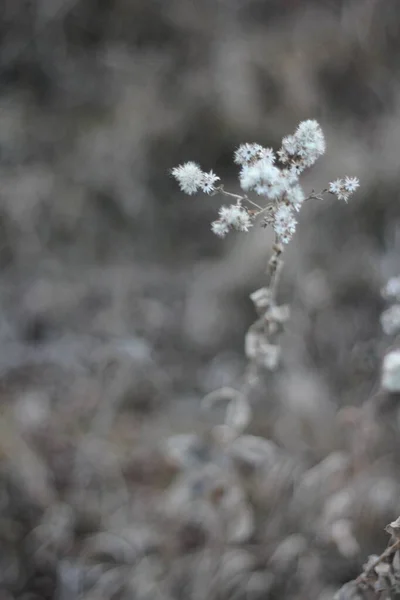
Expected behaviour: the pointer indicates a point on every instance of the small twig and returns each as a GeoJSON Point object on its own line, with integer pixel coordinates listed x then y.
{"type": "Point", "coordinates": [222, 190]}
{"type": "Point", "coordinates": [275, 265]}
{"type": "Point", "coordinates": [268, 207]}
{"type": "Point", "coordinates": [314, 196]}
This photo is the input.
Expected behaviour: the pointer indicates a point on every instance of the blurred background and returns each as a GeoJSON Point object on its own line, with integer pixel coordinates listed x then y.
{"type": "Point", "coordinates": [120, 310]}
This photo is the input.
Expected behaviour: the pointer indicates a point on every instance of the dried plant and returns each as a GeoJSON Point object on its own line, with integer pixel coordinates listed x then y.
{"type": "Point", "coordinates": [214, 480]}
{"type": "Point", "coordinates": [274, 177]}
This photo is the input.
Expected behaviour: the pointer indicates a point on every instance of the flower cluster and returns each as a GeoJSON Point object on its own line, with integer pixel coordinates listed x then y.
{"type": "Point", "coordinates": [247, 153]}
{"type": "Point", "coordinates": [302, 149]}
{"type": "Point", "coordinates": [263, 177]}
{"type": "Point", "coordinates": [273, 176]}
{"type": "Point", "coordinates": [284, 223]}
{"type": "Point", "coordinates": [343, 188]}
{"type": "Point", "coordinates": [233, 216]}
{"type": "Point", "coordinates": [191, 178]}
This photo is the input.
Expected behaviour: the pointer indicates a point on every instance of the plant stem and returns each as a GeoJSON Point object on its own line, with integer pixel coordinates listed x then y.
{"type": "Point", "coordinates": [222, 190]}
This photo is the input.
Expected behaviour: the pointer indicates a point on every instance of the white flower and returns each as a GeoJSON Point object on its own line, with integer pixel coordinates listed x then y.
{"type": "Point", "coordinates": [289, 145]}
{"type": "Point", "coordinates": [268, 154]}
{"type": "Point", "coordinates": [208, 182]}
{"type": "Point", "coordinates": [335, 187]}
{"type": "Point", "coordinates": [290, 175]}
{"type": "Point", "coordinates": [248, 177]}
{"type": "Point", "coordinates": [235, 216]}
{"type": "Point", "coordinates": [310, 141]}
{"type": "Point", "coordinates": [304, 147]}
{"type": "Point", "coordinates": [243, 222]}
{"type": "Point", "coordinates": [283, 156]}
{"type": "Point", "coordinates": [390, 320]}
{"type": "Point", "coordinates": [263, 177]}
{"type": "Point", "coordinates": [284, 223]}
{"type": "Point", "coordinates": [229, 213]}
{"type": "Point", "coordinates": [295, 196]}
{"type": "Point", "coordinates": [246, 152]}
{"type": "Point", "coordinates": [189, 176]}
{"type": "Point", "coordinates": [343, 188]}
{"type": "Point", "coordinates": [220, 228]}
{"type": "Point", "coordinates": [351, 184]}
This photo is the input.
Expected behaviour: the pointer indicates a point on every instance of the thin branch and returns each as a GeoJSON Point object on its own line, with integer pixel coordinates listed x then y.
{"type": "Point", "coordinates": [222, 190]}
{"type": "Point", "coordinates": [385, 554]}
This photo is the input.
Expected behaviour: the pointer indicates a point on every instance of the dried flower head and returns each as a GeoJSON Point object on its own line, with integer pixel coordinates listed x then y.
{"type": "Point", "coordinates": [233, 216]}
{"type": "Point", "coordinates": [208, 182]}
{"type": "Point", "coordinates": [295, 196]}
{"type": "Point", "coordinates": [343, 188]}
{"type": "Point", "coordinates": [284, 223]}
{"type": "Point", "coordinates": [303, 147]}
{"type": "Point", "coordinates": [248, 152]}
{"type": "Point", "coordinates": [264, 178]}
{"type": "Point", "coordinates": [189, 176]}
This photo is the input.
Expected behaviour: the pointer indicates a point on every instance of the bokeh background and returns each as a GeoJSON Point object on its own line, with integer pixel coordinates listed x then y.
{"type": "Point", "coordinates": [119, 309]}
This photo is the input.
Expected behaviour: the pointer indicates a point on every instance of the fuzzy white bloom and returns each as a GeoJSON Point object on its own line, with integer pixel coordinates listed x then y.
{"type": "Point", "coordinates": [208, 182]}
{"type": "Point", "coordinates": [220, 228]}
{"type": "Point", "coordinates": [284, 223]}
{"type": "Point", "coordinates": [392, 288]}
{"type": "Point", "coordinates": [290, 176]}
{"type": "Point", "coordinates": [390, 320]}
{"type": "Point", "coordinates": [343, 188]}
{"type": "Point", "coordinates": [247, 152]}
{"type": "Point", "coordinates": [391, 372]}
{"type": "Point", "coordinates": [310, 141]}
{"type": "Point", "coordinates": [295, 196]}
{"type": "Point", "coordinates": [335, 187]}
{"type": "Point", "coordinates": [289, 145]}
{"type": "Point", "coordinates": [351, 184]}
{"type": "Point", "coordinates": [264, 178]}
{"type": "Point", "coordinates": [189, 176]}
{"type": "Point", "coordinates": [235, 216]}
{"type": "Point", "coordinates": [283, 156]}
{"type": "Point", "coordinates": [268, 154]}
{"type": "Point", "coordinates": [253, 174]}
{"type": "Point", "coordinates": [304, 147]}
